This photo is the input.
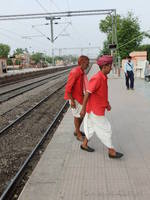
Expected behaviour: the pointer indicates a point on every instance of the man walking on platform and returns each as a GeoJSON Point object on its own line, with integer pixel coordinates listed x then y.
{"type": "Point", "coordinates": [129, 75]}
{"type": "Point", "coordinates": [74, 92]}
{"type": "Point", "coordinates": [94, 105]}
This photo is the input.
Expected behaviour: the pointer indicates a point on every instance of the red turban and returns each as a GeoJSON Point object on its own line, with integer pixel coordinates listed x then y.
{"type": "Point", "coordinates": [105, 60]}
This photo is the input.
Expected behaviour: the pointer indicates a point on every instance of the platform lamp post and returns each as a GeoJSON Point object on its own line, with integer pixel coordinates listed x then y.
{"type": "Point", "coordinates": [52, 35]}
{"type": "Point", "coordinates": [113, 47]}
{"type": "Point", "coordinates": [114, 43]}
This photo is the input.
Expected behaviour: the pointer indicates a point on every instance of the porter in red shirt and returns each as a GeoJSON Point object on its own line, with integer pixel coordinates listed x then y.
{"type": "Point", "coordinates": [98, 101]}
{"type": "Point", "coordinates": [75, 84]}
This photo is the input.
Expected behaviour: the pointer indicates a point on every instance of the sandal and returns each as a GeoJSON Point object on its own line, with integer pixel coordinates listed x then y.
{"type": "Point", "coordinates": [117, 155]}
{"type": "Point", "coordinates": [88, 149]}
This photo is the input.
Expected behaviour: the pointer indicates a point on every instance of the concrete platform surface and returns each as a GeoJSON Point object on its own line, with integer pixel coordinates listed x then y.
{"type": "Point", "coordinates": [25, 70]}
{"type": "Point", "coordinates": [67, 173]}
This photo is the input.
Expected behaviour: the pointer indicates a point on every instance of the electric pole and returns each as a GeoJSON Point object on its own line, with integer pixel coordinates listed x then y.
{"type": "Point", "coordinates": [52, 39]}
{"type": "Point", "coordinates": [52, 35]}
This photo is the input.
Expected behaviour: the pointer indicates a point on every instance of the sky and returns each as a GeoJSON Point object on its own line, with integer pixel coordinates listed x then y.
{"type": "Point", "coordinates": [80, 31]}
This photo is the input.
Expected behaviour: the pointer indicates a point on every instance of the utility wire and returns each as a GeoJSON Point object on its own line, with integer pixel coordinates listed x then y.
{"type": "Point", "coordinates": [61, 31]}
{"type": "Point", "coordinates": [16, 35]}
{"type": "Point", "coordinates": [143, 33]}
{"type": "Point", "coordinates": [41, 5]}
{"type": "Point", "coordinates": [68, 6]}
{"type": "Point", "coordinates": [80, 36]}
{"type": "Point", "coordinates": [55, 5]}
{"type": "Point", "coordinates": [7, 36]}
{"type": "Point", "coordinates": [10, 31]}
{"type": "Point", "coordinates": [41, 33]}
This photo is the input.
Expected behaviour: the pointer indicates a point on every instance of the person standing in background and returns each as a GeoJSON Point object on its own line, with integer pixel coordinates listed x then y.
{"type": "Point", "coordinates": [129, 74]}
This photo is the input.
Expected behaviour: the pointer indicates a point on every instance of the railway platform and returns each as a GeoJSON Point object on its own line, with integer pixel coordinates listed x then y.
{"type": "Point", "coordinates": [26, 70]}
{"type": "Point", "coordinates": [65, 172]}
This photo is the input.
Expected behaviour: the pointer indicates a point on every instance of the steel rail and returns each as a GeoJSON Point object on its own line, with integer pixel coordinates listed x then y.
{"type": "Point", "coordinates": [2, 131]}
{"type": "Point", "coordinates": [28, 84]}
{"type": "Point", "coordinates": [6, 192]}
{"type": "Point", "coordinates": [34, 76]}
{"type": "Point", "coordinates": [28, 89]}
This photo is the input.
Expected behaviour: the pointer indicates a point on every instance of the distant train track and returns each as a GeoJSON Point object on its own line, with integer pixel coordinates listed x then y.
{"type": "Point", "coordinates": [11, 93]}
{"type": "Point", "coordinates": [17, 78]}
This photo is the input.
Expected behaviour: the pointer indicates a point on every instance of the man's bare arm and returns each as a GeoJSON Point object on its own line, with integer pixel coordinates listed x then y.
{"type": "Point", "coordinates": [73, 105]}
{"type": "Point", "coordinates": [85, 100]}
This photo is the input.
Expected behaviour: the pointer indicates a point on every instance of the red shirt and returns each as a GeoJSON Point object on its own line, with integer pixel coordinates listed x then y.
{"type": "Point", "coordinates": [75, 84]}
{"type": "Point", "coordinates": [98, 99]}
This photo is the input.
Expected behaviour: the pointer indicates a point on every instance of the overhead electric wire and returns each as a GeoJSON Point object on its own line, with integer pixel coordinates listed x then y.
{"type": "Point", "coordinates": [80, 35]}
{"type": "Point", "coordinates": [55, 5]}
{"type": "Point", "coordinates": [61, 31]}
{"type": "Point", "coordinates": [41, 5]}
{"type": "Point", "coordinates": [68, 5]}
{"type": "Point", "coordinates": [16, 35]}
{"type": "Point", "coordinates": [8, 37]}
{"type": "Point", "coordinates": [41, 32]}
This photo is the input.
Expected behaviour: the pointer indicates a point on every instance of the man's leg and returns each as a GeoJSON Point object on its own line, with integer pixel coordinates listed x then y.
{"type": "Point", "coordinates": [103, 131]}
{"type": "Point", "coordinates": [84, 146]}
{"type": "Point", "coordinates": [85, 142]}
{"type": "Point", "coordinates": [77, 123]}
{"type": "Point", "coordinates": [88, 134]}
{"type": "Point", "coordinates": [131, 80]}
{"type": "Point", "coordinates": [127, 81]}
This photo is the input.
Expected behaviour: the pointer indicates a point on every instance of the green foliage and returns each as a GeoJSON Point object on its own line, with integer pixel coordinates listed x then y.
{"type": "Point", "coordinates": [9, 61]}
{"type": "Point", "coordinates": [48, 59]}
{"type": "Point", "coordinates": [129, 35]}
{"type": "Point", "coordinates": [19, 51]}
{"type": "Point", "coordinates": [17, 62]}
{"type": "Point", "coordinates": [4, 50]}
{"type": "Point", "coordinates": [70, 58]}
{"type": "Point", "coordinates": [37, 57]}
{"type": "Point", "coordinates": [105, 50]}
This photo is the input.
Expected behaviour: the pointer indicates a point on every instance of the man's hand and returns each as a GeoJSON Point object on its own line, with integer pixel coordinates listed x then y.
{"type": "Point", "coordinates": [73, 105]}
{"type": "Point", "coordinates": [108, 107]}
{"type": "Point", "coordinates": [126, 74]}
{"type": "Point", "coordinates": [82, 113]}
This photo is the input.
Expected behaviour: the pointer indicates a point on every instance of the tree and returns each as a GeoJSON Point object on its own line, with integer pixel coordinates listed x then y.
{"type": "Point", "coordinates": [19, 51]}
{"type": "Point", "coordinates": [9, 61]}
{"type": "Point", "coordinates": [37, 57]}
{"type": "Point", "coordinates": [129, 35]}
{"type": "Point", "coordinates": [48, 59]}
{"type": "Point", "coordinates": [4, 50]}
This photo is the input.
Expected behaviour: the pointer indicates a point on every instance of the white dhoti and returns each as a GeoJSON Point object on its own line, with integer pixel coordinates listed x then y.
{"type": "Point", "coordinates": [99, 125]}
{"type": "Point", "coordinates": [76, 111]}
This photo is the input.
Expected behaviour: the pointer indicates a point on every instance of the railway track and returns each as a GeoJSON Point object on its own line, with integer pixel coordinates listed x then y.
{"type": "Point", "coordinates": [17, 78]}
{"type": "Point", "coordinates": [11, 93]}
{"type": "Point", "coordinates": [11, 188]}
{"type": "Point", "coordinates": [20, 131]}
{"type": "Point", "coordinates": [21, 139]}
